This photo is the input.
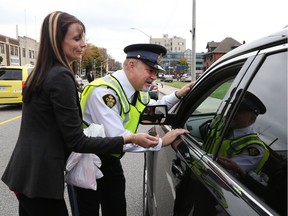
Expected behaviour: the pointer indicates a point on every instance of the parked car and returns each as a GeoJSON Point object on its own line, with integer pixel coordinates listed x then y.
{"type": "Point", "coordinates": [154, 91]}
{"type": "Point", "coordinates": [168, 78]}
{"type": "Point", "coordinates": [185, 78]}
{"type": "Point", "coordinates": [12, 81]}
{"type": "Point", "coordinates": [187, 178]}
{"type": "Point", "coordinates": [78, 78]}
{"type": "Point", "coordinates": [80, 82]}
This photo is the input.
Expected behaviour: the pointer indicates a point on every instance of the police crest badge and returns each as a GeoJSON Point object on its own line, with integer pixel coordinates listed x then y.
{"type": "Point", "coordinates": [252, 151]}
{"type": "Point", "coordinates": [109, 100]}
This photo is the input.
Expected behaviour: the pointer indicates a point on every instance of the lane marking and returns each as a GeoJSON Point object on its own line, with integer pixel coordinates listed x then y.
{"type": "Point", "coordinates": [12, 119]}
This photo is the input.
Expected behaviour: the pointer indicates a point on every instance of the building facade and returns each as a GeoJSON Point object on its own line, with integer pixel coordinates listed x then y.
{"type": "Point", "coordinates": [9, 51]}
{"type": "Point", "coordinates": [29, 48]}
{"type": "Point", "coordinates": [21, 51]}
{"type": "Point", "coordinates": [199, 61]}
{"type": "Point", "coordinates": [176, 50]}
{"type": "Point", "coordinates": [173, 44]}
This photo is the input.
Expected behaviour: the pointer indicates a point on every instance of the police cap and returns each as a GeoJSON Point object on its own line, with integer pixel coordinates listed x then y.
{"type": "Point", "coordinates": [252, 103]}
{"type": "Point", "coordinates": [150, 54]}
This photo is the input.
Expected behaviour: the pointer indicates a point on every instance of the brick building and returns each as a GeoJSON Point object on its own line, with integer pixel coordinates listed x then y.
{"type": "Point", "coordinates": [216, 50]}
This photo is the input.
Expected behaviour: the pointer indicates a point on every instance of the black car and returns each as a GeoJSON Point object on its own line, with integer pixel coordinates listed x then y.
{"type": "Point", "coordinates": [187, 178]}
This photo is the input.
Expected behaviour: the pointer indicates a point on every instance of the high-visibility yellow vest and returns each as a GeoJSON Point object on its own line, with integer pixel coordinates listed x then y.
{"type": "Point", "coordinates": [130, 113]}
{"type": "Point", "coordinates": [211, 143]}
{"type": "Point", "coordinates": [231, 147]}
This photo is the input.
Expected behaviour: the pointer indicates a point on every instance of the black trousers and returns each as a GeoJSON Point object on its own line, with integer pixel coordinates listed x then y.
{"type": "Point", "coordinates": [41, 206]}
{"type": "Point", "coordinates": [110, 193]}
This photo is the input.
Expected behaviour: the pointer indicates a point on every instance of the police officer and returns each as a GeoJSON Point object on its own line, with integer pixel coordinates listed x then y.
{"type": "Point", "coordinates": [243, 151]}
{"type": "Point", "coordinates": [116, 101]}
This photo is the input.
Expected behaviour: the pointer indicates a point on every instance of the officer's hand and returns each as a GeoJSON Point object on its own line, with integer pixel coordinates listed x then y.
{"type": "Point", "coordinates": [169, 137]}
{"type": "Point", "coordinates": [185, 89]}
{"type": "Point", "coordinates": [230, 165]}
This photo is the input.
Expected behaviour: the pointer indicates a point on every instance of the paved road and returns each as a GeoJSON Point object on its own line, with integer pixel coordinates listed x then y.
{"type": "Point", "coordinates": [8, 136]}
{"type": "Point", "coordinates": [132, 164]}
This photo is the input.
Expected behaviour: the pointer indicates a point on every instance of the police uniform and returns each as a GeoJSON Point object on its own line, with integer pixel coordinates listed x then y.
{"type": "Point", "coordinates": [103, 106]}
{"type": "Point", "coordinates": [253, 156]}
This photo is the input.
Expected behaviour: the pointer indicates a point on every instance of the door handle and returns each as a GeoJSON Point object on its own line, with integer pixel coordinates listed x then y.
{"type": "Point", "coordinates": [177, 169]}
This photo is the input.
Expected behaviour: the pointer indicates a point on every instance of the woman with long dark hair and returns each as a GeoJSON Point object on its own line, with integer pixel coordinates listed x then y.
{"type": "Point", "coordinates": [51, 125]}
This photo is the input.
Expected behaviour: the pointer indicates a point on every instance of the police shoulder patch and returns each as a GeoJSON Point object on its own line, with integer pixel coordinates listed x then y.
{"type": "Point", "coordinates": [252, 151]}
{"type": "Point", "coordinates": [109, 100]}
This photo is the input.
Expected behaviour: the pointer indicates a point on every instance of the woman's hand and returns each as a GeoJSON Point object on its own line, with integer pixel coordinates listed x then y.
{"type": "Point", "coordinates": [142, 139]}
{"type": "Point", "coordinates": [169, 137]}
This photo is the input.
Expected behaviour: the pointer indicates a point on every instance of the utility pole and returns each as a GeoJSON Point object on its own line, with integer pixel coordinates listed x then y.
{"type": "Point", "coordinates": [193, 32]}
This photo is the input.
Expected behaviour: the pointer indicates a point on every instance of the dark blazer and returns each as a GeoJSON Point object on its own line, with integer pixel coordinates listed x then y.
{"type": "Point", "coordinates": [51, 128]}
{"type": "Point", "coordinates": [90, 77]}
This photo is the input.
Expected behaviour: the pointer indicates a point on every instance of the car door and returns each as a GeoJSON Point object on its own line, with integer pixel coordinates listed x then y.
{"type": "Point", "coordinates": [187, 179]}
{"type": "Point", "coordinates": [199, 107]}
{"type": "Point", "coordinates": [210, 190]}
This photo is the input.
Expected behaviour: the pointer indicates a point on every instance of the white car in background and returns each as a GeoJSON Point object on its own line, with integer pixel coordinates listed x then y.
{"type": "Point", "coordinates": [185, 78]}
{"type": "Point", "coordinates": [80, 82]}
{"type": "Point", "coordinates": [168, 78]}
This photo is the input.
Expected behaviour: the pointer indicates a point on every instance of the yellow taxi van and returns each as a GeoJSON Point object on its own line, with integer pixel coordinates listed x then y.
{"type": "Point", "coordinates": [12, 80]}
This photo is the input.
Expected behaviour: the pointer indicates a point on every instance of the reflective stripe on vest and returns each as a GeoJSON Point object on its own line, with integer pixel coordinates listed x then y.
{"type": "Point", "coordinates": [212, 142]}
{"type": "Point", "coordinates": [231, 147]}
{"type": "Point", "coordinates": [130, 114]}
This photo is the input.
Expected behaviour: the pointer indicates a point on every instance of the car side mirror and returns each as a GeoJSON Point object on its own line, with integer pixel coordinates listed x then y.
{"type": "Point", "coordinates": [154, 114]}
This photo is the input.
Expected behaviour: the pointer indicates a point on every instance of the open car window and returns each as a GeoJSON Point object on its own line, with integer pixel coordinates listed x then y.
{"type": "Point", "coordinates": [199, 121]}
{"type": "Point", "coordinates": [208, 98]}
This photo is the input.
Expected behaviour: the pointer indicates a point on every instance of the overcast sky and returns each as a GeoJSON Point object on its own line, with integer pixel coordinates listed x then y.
{"type": "Point", "coordinates": [109, 22]}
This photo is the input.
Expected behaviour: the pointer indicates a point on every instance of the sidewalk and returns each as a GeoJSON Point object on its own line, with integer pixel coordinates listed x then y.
{"type": "Point", "coordinates": [166, 89]}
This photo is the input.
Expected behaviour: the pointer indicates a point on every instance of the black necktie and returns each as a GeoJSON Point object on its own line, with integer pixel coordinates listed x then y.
{"type": "Point", "coordinates": [134, 100]}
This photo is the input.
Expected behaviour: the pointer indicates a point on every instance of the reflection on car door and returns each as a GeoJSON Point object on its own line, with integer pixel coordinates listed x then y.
{"type": "Point", "coordinates": [270, 183]}
{"type": "Point", "coordinates": [226, 188]}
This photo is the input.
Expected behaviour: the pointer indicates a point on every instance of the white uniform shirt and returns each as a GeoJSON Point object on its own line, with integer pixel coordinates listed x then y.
{"type": "Point", "coordinates": [244, 160]}
{"type": "Point", "coordinates": [98, 112]}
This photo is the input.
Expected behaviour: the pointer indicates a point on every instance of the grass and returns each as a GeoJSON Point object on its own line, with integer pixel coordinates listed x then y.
{"type": "Point", "coordinates": [218, 93]}
{"type": "Point", "coordinates": [175, 84]}
{"type": "Point", "coordinates": [221, 90]}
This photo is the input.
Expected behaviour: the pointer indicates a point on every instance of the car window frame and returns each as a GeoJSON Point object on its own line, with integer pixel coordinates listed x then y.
{"type": "Point", "coordinates": [247, 79]}
{"type": "Point", "coordinates": [248, 71]}
{"type": "Point", "coordinates": [245, 83]}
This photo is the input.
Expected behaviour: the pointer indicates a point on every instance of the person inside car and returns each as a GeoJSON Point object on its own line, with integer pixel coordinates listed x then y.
{"type": "Point", "coordinates": [243, 151]}
{"type": "Point", "coordinates": [249, 156]}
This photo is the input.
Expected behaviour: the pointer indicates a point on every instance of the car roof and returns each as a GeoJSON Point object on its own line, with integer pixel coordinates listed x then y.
{"type": "Point", "coordinates": [274, 39]}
